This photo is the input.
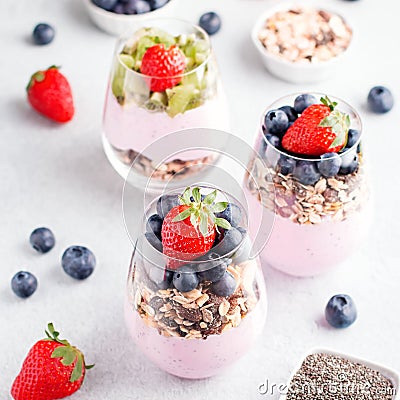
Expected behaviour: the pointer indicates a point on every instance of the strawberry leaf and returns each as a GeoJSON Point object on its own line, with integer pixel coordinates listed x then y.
{"type": "Point", "coordinates": [222, 223]}
{"type": "Point", "coordinates": [339, 123]}
{"type": "Point", "coordinates": [78, 369]}
{"type": "Point", "coordinates": [203, 223]}
{"type": "Point", "coordinates": [186, 196]}
{"type": "Point", "coordinates": [210, 198]}
{"type": "Point", "coordinates": [196, 195]}
{"type": "Point", "coordinates": [219, 207]}
{"type": "Point", "coordinates": [182, 216]}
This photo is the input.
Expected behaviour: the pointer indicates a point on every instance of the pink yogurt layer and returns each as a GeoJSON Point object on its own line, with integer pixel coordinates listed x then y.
{"type": "Point", "coordinates": [132, 127]}
{"type": "Point", "coordinates": [197, 358]}
{"type": "Point", "coordinates": [307, 250]}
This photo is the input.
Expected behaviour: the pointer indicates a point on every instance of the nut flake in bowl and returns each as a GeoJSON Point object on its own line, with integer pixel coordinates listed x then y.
{"type": "Point", "coordinates": [326, 374]}
{"type": "Point", "coordinates": [301, 44]}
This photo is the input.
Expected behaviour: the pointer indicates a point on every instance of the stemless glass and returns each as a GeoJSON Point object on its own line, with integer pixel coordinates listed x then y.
{"type": "Point", "coordinates": [138, 110]}
{"type": "Point", "coordinates": [195, 334]}
{"type": "Point", "coordinates": [319, 220]}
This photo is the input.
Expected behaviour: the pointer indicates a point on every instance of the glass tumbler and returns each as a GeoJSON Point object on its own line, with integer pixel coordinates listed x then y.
{"type": "Point", "coordinates": [319, 219]}
{"type": "Point", "coordinates": [140, 109]}
{"type": "Point", "coordinates": [198, 329]}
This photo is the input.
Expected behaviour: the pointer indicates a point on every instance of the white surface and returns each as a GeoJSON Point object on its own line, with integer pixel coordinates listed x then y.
{"type": "Point", "coordinates": [58, 176]}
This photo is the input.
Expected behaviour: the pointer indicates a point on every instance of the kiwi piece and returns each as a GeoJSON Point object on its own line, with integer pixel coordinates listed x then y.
{"type": "Point", "coordinates": [179, 97]}
{"type": "Point", "coordinates": [118, 82]}
{"type": "Point", "coordinates": [127, 60]}
{"type": "Point", "coordinates": [157, 101]}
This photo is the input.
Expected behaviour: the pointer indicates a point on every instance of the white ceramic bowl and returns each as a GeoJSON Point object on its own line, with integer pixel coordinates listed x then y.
{"type": "Point", "coordinates": [392, 375]}
{"type": "Point", "coordinates": [292, 71]}
{"type": "Point", "coordinates": [117, 24]}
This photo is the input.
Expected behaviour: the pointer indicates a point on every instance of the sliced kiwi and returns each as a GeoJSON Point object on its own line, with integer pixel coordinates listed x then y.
{"type": "Point", "coordinates": [118, 82]}
{"type": "Point", "coordinates": [127, 59]}
{"type": "Point", "coordinates": [157, 101]}
{"type": "Point", "coordinates": [179, 98]}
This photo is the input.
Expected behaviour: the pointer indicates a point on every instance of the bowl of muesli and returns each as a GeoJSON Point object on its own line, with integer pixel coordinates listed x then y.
{"type": "Point", "coordinates": [302, 44]}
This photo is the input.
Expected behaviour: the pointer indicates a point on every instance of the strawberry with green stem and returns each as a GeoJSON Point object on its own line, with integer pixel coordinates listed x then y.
{"type": "Point", "coordinates": [188, 230]}
{"type": "Point", "coordinates": [320, 129]}
{"type": "Point", "coordinates": [53, 369]}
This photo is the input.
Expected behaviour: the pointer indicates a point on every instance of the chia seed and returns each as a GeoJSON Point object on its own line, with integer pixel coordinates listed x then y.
{"type": "Point", "coordinates": [328, 377]}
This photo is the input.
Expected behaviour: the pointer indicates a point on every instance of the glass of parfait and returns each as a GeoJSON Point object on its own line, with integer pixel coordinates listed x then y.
{"type": "Point", "coordinates": [164, 78]}
{"type": "Point", "coordinates": [316, 188]}
{"type": "Point", "coordinates": [196, 300]}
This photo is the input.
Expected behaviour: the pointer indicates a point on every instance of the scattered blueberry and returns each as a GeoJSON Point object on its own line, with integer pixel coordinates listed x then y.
{"type": "Point", "coordinates": [276, 122]}
{"type": "Point", "coordinates": [231, 240]}
{"type": "Point", "coordinates": [166, 203]}
{"type": "Point", "coordinates": [24, 284]}
{"type": "Point", "coordinates": [78, 262]}
{"type": "Point", "coordinates": [105, 4]}
{"type": "Point", "coordinates": [154, 224]}
{"type": "Point", "coordinates": [340, 311]}
{"type": "Point", "coordinates": [161, 277]}
{"type": "Point", "coordinates": [42, 240]}
{"type": "Point", "coordinates": [154, 241]}
{"type": "Point", "coordinates": [286, 164]}
{"type": "Point", "coordinates": [225, 286]}
{"type": "Point", "coordinates": [214, 270]}
{"type": "Point", "coordinates": [156, 4]}
{"type": "Point", "coordinates": [330, 164]}
{"type": "Point", "coordinates": [232, 213]}
{"type": "Point", "coordinates": [290, 112]}
{"type": "Point", "coordinates": [43, 34]}
{"type": "Point", "coordinates": [303, 101]}
{"type": "Point", "coordinates": [210, 22]}
{"type": "Point", "coordinates": [185, 279]}
{"type": "Point", "coordinates": [352, 137]}
{"type": "Point", "coordinates": [351, 167]}
{"type": "Point", "coordinates": [273, 140]}
{"type": "Point", "coordinates": [306, 172]}
{"type": "Point", "coordinates": [380, 100]}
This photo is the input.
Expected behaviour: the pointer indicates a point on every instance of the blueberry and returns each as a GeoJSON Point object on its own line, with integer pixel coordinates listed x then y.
{"type": "Point", "coordinates": [214, 269]}
{"type": "Point", "coordinates": [306, 172]}
{"type": "Point", "coordinates": [303, 101]}
{"type": "Point", "coordinates": [290, 112]}
{"type": "Point", "coordinates": [24, 284]}
{"type": "Point", "coordinates": [185, 279]}
{"type": "Point", "coordinates": [340, 312]}
{"type": "Point", "coordinates": [166, 203]}
{"type": "Point", "coordinates": [380, 100]}
{"type": "Point", "coordinates": [154, 241]}
{"type": "Point", "coordinates": [352, 137]}
{"type": "Point", "coordinates": [142, 7]}
{"type": "Point", "coordinates": [78, 262]}
{"type": "Point", "coordinates": [225, 286]}
{"type": "Point", "coordinates": [350, 167]}
{"type": "Point", "coordinates": [156, 4]}
{"type": "Point", "coordinates": [119, 8]}
{"type": "Point", "coordinates": [42, 240]}
{"type": "Point", "coordinates": [231, 240]}
{"type": "Point", "coordinates": [154, 224]}
{"type": "Point", "coordinates": [242, 231]}
{"type": "Point", "coordinates": [43, 34]}
{"type": "Point", "coordinates": [105, 4]}
{"type": "Point", "coordinates": [232, 213]}
{"type": "Point", "coordinates": [273, 140]}
{"type": "Point", "coordinates": [329, 165]}
{"type": "Point", "coordinates": [286, 164]}
{"type": "Point", "coordinates": [161, 277]}
{"type": "Point", "coordinates": [276, 122]}
{"type": "Point", "coordinates": [210, 22]}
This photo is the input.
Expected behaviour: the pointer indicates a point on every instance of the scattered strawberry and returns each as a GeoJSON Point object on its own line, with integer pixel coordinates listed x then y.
{"type": "Point", "coordinates": [320, 129]}
{"type": "Point", "coordinates": [159, 62]}
{"type": "Point", "coordinates": [188, 230]}
{"type": "Point", "coordinates": [53, 369]}
{"type": "Point", "coordinates": [50, 94]}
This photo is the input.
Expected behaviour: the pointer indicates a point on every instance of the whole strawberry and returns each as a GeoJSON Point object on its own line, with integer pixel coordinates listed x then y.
{"type": "Point", "coordinates": [188, 230]}
{"type": "Point", "coordinates": [320, 129]}
{"type": "Point", "coordinates": [53, 369]}
{"type": "Point", "coordinates": [163, 66]}
{"type": "Point", "coordinates": [49, 93]}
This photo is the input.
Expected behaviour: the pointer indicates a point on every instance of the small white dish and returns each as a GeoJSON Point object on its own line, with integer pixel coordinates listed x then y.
{"type": "Point", "coordinates": [117, 24]}
{"type": "Point", "coordinates": [292, 71]}
{"type": "Point", "coordinates": [390, 374]}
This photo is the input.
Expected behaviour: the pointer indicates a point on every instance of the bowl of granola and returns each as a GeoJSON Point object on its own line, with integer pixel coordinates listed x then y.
{"type": "Point", "coordinates": [302, 44]}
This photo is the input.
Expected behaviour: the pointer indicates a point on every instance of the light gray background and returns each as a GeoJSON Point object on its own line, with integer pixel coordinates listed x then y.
{"type": "Point", "coordinates": [58, 176]}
